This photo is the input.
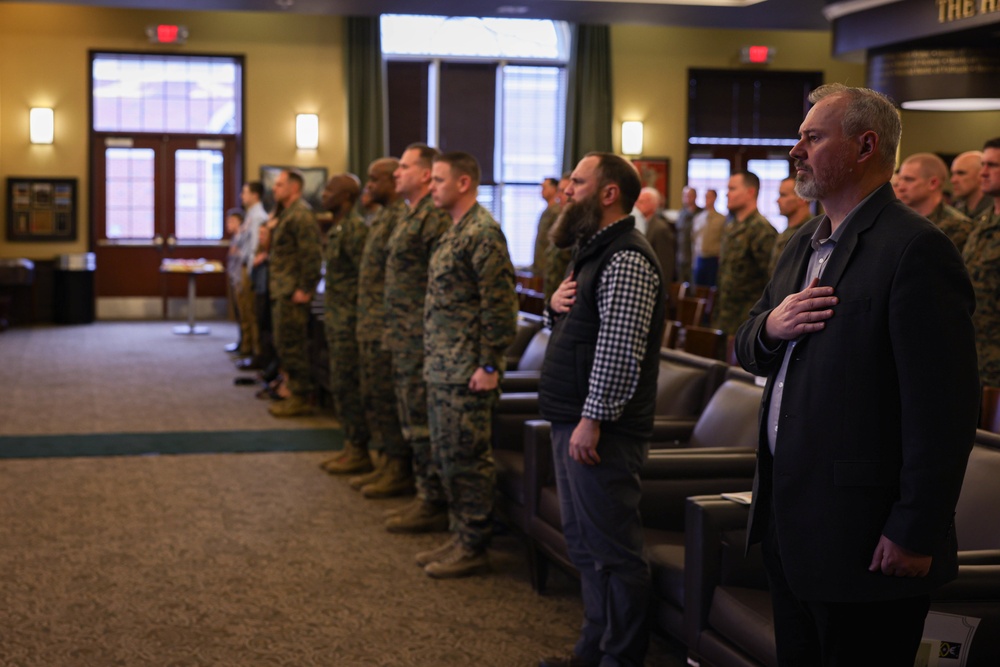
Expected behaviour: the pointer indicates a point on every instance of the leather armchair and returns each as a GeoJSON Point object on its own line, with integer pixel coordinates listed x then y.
{"type": "Point", "coordinates": [527, 326]}
{"type": "Point", "coordinates": [728, 615]}
{"type": "Point", "coordinates": [715, 454]}
{"type": "Point", "coordinates": [685, 384]}
{"type": "Point", "coordinates": [529, 367]}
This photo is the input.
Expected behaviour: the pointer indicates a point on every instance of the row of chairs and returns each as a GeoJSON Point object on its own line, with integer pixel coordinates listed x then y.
{"type": "Point", "coordinates": [706, 595]}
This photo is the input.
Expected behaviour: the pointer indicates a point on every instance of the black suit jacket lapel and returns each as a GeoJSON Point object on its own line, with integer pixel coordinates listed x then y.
{"type": "Point", "coordinates": [861, 222]}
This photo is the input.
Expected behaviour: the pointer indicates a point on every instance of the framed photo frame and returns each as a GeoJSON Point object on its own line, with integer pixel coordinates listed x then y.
{"type": "Point", "coordinates": [41, 209]}
{"type": "Point", "coordinates": [654, 172]}
{"type": "Point", "coordinates": [312, 189]}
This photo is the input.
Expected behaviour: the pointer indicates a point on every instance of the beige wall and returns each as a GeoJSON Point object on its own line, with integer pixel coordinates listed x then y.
{"type": "Point", "coordinates": [293, 65]}
{"type": "Point", "coordinates": [939, 132]}
{"type": "Point", "coordinates": [649, 76]}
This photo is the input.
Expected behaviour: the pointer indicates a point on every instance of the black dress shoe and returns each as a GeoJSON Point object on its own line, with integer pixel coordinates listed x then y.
{"type": "Point", "coordinates": [248, 364]}
{"type": "Point", "coordinates": [569, 660]}
{"type": "Point", "coordinates": [232, 348]}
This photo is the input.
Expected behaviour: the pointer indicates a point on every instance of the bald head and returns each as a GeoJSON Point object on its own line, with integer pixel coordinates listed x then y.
{"type": "Point", "coordinates": [381, 186]}
{"type": "Point", "coordinates": [965, 171]}
{"type": "Point", "coordinates": [340, 194]}
{"type": "Point", "coordinates": [648, 202]}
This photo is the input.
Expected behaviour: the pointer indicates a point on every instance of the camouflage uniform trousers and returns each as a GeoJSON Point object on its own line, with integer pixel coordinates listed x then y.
{"type": "Point", "coordinates": [249, 333]}
{"type": "Point", "coordinates": [345, 381]}
{"type": "Point", "coordinates": [460, 422]}
{"type": "Point", "coordinates": [378, 396]}
{"type": "Point", "coordinates": [291, 323]}
{"type": "Point", "coordinates": [411, 400]}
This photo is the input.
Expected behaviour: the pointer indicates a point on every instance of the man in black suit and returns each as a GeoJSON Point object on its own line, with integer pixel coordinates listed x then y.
{"type": "Point", "coordinates": [870, 410]}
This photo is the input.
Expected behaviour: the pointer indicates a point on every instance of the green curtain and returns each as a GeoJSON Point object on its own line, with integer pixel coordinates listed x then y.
{"type": "Point", "coordinates": [588, 94]}
{"type": "Point", "coordinates": [365, 98]}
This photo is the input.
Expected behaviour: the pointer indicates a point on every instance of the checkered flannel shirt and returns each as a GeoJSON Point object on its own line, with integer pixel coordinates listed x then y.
{"type": "Point", "coordinates": [626, 297]}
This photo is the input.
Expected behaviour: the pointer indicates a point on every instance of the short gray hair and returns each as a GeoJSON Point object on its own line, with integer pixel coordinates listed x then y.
{"type": "Point", "coordinates": [868, 109]}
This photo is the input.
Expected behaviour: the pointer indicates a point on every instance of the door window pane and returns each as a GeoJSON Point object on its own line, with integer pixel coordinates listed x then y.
{"type": "Point", "coordinates": [129, 190]}
{"type": "Point", "coordinates": [153, 93]}
{"type": "Point", "coordinates": [198, 207]}
{"type": "Point", "coordinates": [770, 173]}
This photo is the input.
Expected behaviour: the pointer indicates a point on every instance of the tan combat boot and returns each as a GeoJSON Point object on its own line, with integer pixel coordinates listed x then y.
{"type": "Point", "coordinates": [379, 462]}
{"type": "Point", "coordinates": [411, 506]}
{"type": "Point", "coordinates": [355, 460]}
{"type": "Point", "coordinates": [424, 518]}
{"type": "Point", "coordinates": [425, 558]}
{"type": "Point", "coordinates": [293, 406]}
{"type": "Point", "coordinates": [395, 480]}
{"type": "Point", "coordinates": [461, 561]}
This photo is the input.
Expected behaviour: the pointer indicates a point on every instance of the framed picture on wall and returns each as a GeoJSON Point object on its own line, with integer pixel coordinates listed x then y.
{"type": "Point", "coordinates": [41, 209]}
{"type": "Point", "coordinates": [312, 189]}
{"type": "Point", "coordinates": [655, 173]}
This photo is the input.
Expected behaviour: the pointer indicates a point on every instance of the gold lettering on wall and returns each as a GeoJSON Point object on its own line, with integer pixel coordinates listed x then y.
{"type": "Point", "coordinates": [953, 10]}
{"type": "Point", "coordinates": [988, 6]}
{"type": "Point", "coordinates": [935, 62]}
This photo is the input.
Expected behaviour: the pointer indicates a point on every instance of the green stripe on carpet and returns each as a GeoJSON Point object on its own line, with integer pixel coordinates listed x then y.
{"type": "Point", "coordinates": [192, 442]}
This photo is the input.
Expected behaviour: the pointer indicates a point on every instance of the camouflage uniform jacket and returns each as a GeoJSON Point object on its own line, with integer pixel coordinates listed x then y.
{"type": "Point", "coordinates": [295, 257]}
{"type": "Point", "coordinates": [985, 204]}
{"type": "Point", "coordinates": [556, 262]}
{"type": "Point", "coordinates": [344, 243]}
{"type": "Point", "coordinates": [982, 260]}
{"type": "Point", "coordinates": [743, 269]}
{"type": "Point", "coordinates": [410, 247]}
{"type": "Point", "coordinates": [470, 315]}
{"type": "Point", "coordinates": [953, 223]}
{"type": "Point", "coordinates": [548, 217]}
{"type": "Point", "coordinates": [371, 274]}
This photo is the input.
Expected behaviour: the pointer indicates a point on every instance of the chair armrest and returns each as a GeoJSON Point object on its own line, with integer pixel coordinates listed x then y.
{"type": "Point", "coordinates": [703, 463]}
{"type": "Point", "coordinates": [538, 466]}
{"type": "Point", "coordinates": [980, 557]}
{"type": "Point", "coordinates": [670, 477]}
{"type": "Point", "coordinates": [672, 431]}
{"type": "Point", "coordinates": [509, 415]}
{"type": "Point", "coordinates": [974, 582]}
{"type": "Point", "coordinates": [707, 521]}
{"type": "Point", "coordinates": [517, 403]}
{"type": "Point", "coordinates": [520, 381]}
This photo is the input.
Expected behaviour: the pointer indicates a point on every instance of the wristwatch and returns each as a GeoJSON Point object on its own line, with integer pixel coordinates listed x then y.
{"type": "Point", "coordinates": [489, 369]}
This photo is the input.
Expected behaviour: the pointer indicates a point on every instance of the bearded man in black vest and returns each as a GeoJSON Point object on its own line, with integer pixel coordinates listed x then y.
{"type": "Point", "coordinates": [598, 388]}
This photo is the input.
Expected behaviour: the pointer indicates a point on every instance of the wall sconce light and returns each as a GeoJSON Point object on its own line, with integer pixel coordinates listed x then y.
{"type": "Point", "coordinates": [307, 131]}
{"type": "Point", "coordinates": [41, 124]}
{"type": "Point", "coordinates": [632, 137]}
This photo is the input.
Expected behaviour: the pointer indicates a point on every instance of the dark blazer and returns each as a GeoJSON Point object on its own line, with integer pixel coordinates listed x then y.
{"type": "Point", "coordinates": [662, 236]}
{"type": "Point", "coordinates": [879, 410]}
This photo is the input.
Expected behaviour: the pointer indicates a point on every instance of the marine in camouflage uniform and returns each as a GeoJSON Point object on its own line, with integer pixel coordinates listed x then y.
{"type": "Point", "coordinates": [345, 242]}
{"type": "Point", "coordinates": [743, 269]}
{"type": "Point", "coordinates": [556, 263]}
{"type": "Point", "coordinates": [953, 223]}
{"type": "Point", "coordinates": [985, 205]}
{"type": "Point", "coordinates": [982, 260]}
{"type": "Point", "coordinates": [294, 267]}
{"type": "Point", "coordinates": [409, 251]}
{"type": "Point", "coordinates": [377, 390]}
{"type": "Point", "coordinates": [470, 318]}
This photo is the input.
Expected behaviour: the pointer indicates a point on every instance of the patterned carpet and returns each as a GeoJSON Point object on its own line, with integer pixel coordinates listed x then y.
{"type": "Point", "coordinates": [222, 559]}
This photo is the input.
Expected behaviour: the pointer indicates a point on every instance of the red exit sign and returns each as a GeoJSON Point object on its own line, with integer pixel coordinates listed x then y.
{"type": "Point", "coordinates": [756, 55]}
{"type": "Point", "coordinates": [166, 33]}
